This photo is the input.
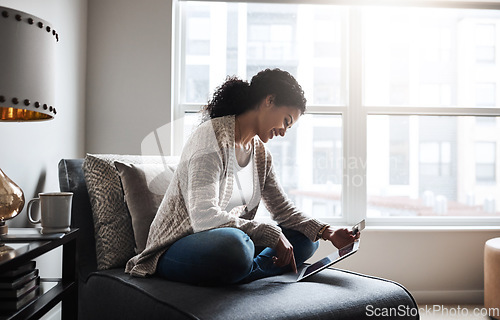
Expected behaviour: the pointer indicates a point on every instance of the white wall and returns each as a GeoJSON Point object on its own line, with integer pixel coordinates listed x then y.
{"type": "Point", "coordinates": [128, 95]}
{"type": "Point", "coordinates": [30, 152]}
{"type": "Point", "coordinates": [128, 75]}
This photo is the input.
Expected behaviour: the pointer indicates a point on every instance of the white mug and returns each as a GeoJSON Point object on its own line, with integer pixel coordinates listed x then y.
{"type": "Point", "coordinates": [55, 210]}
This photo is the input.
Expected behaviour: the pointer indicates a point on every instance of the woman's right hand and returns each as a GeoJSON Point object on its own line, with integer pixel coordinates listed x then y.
{"type": "Point", "coordinates": [284, 254]}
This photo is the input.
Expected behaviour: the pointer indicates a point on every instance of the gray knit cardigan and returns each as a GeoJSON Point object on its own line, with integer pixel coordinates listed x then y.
{"type": "Point", "coordinates": [200, 191]}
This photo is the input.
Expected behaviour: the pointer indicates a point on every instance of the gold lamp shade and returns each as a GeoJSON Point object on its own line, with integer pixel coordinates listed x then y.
{"type": "Point", "coordinates": [11, 200]}
{"type": "Point", "coordinates": [13, 114]}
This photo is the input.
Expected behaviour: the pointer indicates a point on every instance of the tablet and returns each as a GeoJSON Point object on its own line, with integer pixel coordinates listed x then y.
{"type": "Point", "coordinates": [335, 257]}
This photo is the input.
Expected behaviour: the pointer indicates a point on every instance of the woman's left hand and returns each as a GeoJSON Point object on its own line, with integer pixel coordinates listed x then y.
{"type": "Point", "coordinates": [340, 237]}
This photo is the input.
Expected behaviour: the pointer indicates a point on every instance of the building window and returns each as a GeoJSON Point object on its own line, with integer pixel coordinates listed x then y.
{"type": "Point", "coordinates": [485, 34]}
{"type": "Point", "coordinates": [399, 149]}
{"type": "Point", "coordinates": [486, 94]}
{"type": "Point", "coordinates": [486, 162]}
{"type": "Point", "coordinates": [435, 158]}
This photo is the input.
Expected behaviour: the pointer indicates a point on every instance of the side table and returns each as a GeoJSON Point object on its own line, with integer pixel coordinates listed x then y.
{"type": "Point", "coordinates": [27, 244]}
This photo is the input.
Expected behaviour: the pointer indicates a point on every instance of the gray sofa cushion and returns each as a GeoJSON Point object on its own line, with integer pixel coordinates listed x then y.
{"type": "Point", "coordinates": [144, 186]}
{"type": "Point", "coordinates": [114, 235]}
{"type": "Point", "coordinates": [331, 294]}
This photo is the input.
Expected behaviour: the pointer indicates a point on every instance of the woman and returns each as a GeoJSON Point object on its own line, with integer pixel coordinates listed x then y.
{"type": "Point", "coordinates": [204, 232]}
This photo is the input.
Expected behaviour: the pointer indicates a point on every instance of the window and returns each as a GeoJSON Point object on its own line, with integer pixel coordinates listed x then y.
{"type": "Point", "coordinates": [220, 39]}
{"type": "Point", "coordinates": [486, 94]}
{"type": "Point", "coordinates": [400, 101]}
{"type": "Point", "coordinates": [435, 159]}
{"type": "Point", "coordinates": [485, 162]}
{"type": "Point", "coordinates": [485, 42]}
{"type": "Point", "coordinates": [446, 161]}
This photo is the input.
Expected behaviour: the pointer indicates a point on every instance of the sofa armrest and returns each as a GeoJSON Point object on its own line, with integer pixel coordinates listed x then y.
{"type": "Point", "coordinates": [71, 179]}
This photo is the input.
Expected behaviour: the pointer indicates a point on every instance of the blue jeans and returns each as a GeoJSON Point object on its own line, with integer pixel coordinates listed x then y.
{"type": "Point", "coordinates": [227, 256]}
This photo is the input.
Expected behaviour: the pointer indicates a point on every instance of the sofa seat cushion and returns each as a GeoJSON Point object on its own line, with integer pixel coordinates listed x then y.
{"type": "Point", "coordinates": [331, 294]}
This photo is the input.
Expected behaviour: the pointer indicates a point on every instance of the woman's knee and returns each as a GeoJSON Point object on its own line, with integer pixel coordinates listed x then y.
{"type": "Point", "coordinates": [307, 248]}
{"type": "Point", "coordinates": [236, 251]}
{"type": "Point", "coordinates": [314, 247]}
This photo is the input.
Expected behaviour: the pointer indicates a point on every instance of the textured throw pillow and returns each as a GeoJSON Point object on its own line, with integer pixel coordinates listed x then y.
{"type": "Point", "coordinates": [144, 186]}
{"type": "Point", "coordinates": [112, 222]}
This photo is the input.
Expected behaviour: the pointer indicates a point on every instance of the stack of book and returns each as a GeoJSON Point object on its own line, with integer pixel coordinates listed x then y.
{"type": "Point", "coordinates": [19, 287]}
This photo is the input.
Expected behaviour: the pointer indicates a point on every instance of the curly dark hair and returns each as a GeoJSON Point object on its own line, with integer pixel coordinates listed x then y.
{"type": "Point", "coordinates": [236, 96]}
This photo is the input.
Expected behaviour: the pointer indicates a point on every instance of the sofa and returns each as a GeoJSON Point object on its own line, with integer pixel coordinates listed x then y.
{"type": "Point", "coordinates": [105, 291]}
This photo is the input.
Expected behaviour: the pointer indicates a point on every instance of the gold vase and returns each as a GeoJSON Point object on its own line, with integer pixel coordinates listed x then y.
{"type": "Point", "coordinates": [11, 200]}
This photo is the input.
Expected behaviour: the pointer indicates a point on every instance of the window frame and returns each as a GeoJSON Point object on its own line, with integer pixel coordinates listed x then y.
{"type": "Point", "coordinates": [354, 113]}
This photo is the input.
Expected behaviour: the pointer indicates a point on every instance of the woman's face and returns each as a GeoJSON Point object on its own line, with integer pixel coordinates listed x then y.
{"type": "Point", "coordinates": [275, 120]}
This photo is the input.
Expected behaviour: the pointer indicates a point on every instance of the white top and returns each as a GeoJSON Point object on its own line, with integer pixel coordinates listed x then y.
{"type": "Point", "coordinates": [244, 182]}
